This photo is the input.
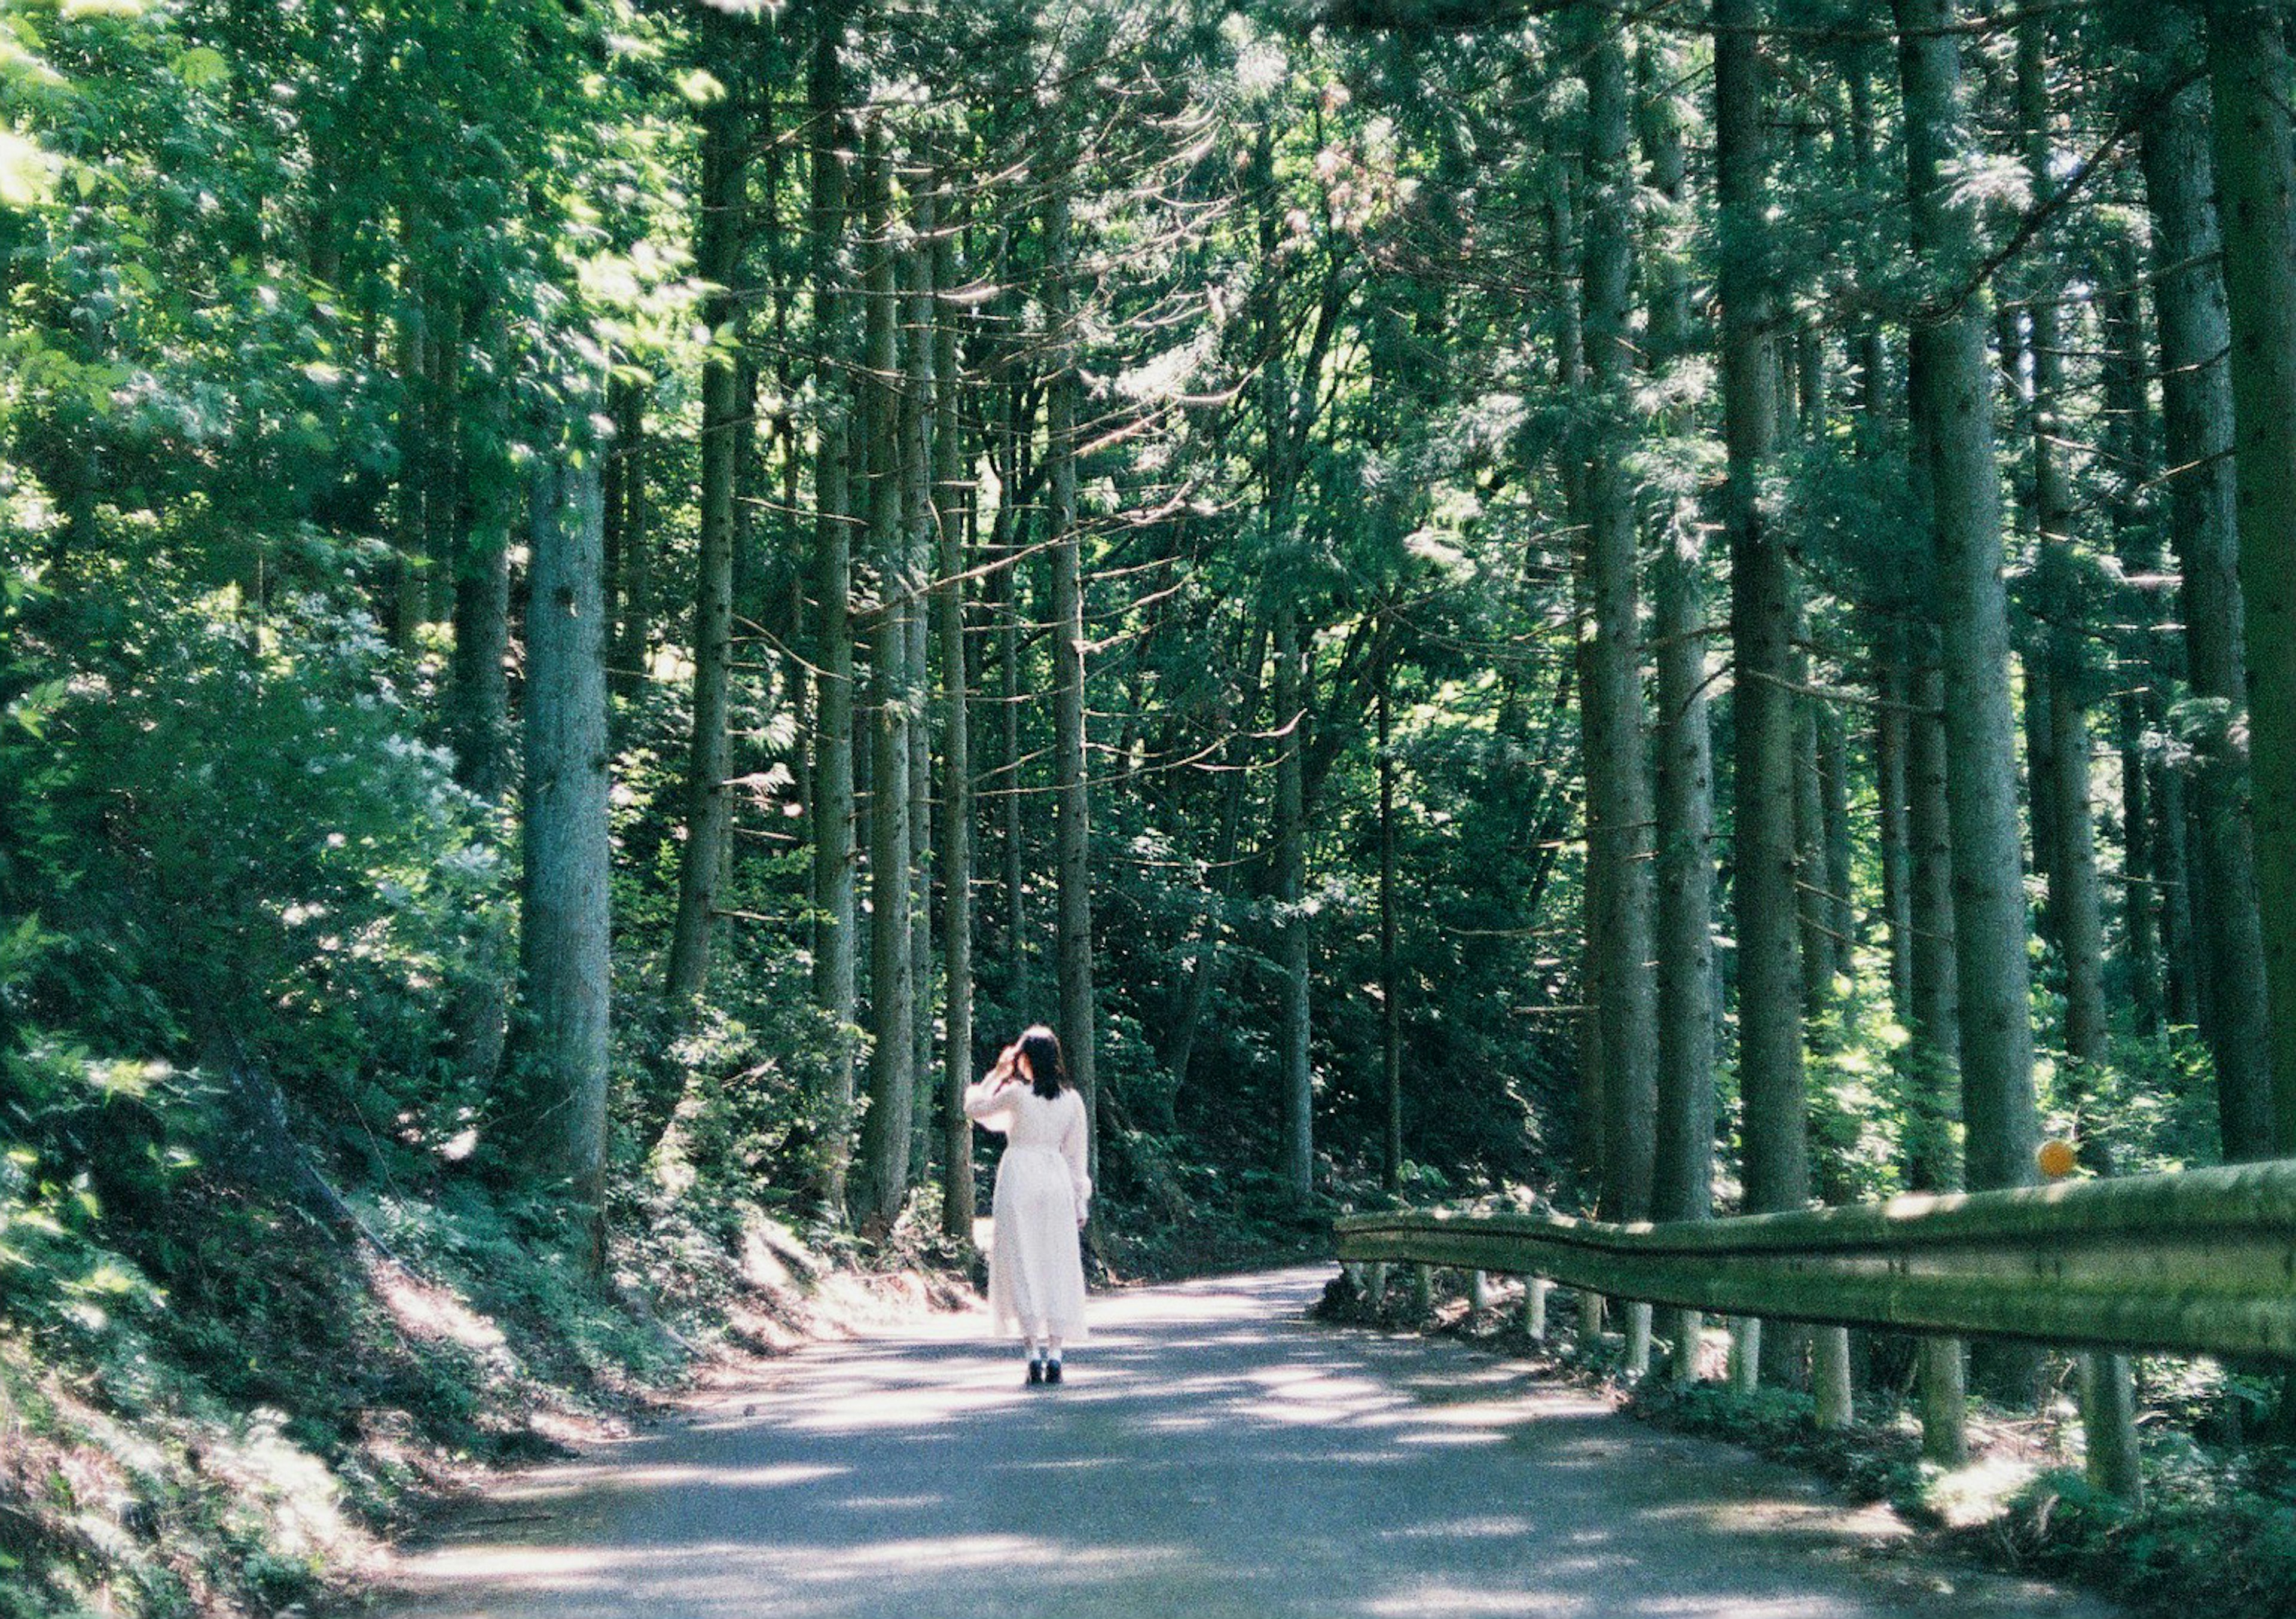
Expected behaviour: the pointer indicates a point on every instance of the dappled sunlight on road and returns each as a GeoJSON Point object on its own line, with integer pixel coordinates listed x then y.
{"type": "Point", "coordinates": [1212, 1456]}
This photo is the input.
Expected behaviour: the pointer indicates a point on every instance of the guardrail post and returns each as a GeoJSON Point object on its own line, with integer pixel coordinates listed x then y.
{"type": "Point", "coordinates": [1375, 1284]}
{"type": "Point", "coordinates": [1423, 1288]}
{"type": "Point", "coordinates": [1534, 1308]}
{"type": "Point", "coordinates": [1682, 1328]}
{"type": "Point", "coordinates": [1745, 1354]}
{"type": "Point", "coordinates": [2108, 1423]}
{"type": "Point", "coordinates": [1478, 1291]}
{"type": "Point", "coordinates": [1830, 1376]}
{"type": "Point", "coordinates": [1639, 1339]}
{"type": "Point", "coordinates": [1945, 1402]}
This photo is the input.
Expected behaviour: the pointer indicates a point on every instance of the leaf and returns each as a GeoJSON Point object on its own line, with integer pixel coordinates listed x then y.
{"type": "Point", "coordinates": [201, 66]}
{"type": "Point", "coordinates": [27, 172]}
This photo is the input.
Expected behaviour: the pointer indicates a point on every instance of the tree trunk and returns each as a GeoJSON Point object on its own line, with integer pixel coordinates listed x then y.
{"type": "Point", "coordinates": [2074, 895]}
{"type": "Point", "coordinates": [1682, 1178]}
{"type": "Point", "coordinates": [1072, 825]}
{"type": "Point", "coordinates": [1013, 805]}
{"type": "Point", "coordinates": [1761, 633]}
{"type": "Point", "coordinates": [1809, 847]}
{"type": "Point", "coordinates": [2248, 62]}
{"type": "Point", "coordinates": [634, 577]}
{"type": "Point", "coordinates": [1892, 686]}
{"type": "Point", "coordinates": [718, 248]}
{"type": "Point", "coordinates": [835, 947]}
{"type": "Point", "coordinates": [885, 1127]}
{"type": "Point", "coordinates": [560, 1127]}
{"type": "Point", "coordinates": [2131, 466]}
{"type": "Point", "coordinates": [2076, 907]}
{"type": "Point", "coordinates": [950, 488]}
{"type": "Point", "coordinates": [1833, 805]}
{"type": "Point", "coordinates": [2188, 293]}
{"type": "Point", "coordinates": [921, 516]}
{"type": "Point", "coordinates": [1618, 788]}
{"type": "Point", "coordinates": [1294, 947]}
{"type": "Point", "coordinates": [1390, 1009]}
{"type": "Point", "coordinates": [1953, 390]}
{"type": "Point", "coordinates": [1933, 1058]}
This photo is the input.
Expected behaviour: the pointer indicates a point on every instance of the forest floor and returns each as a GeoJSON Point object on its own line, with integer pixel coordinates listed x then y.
{"type": "Point", "coordinates": [1214, 1452]}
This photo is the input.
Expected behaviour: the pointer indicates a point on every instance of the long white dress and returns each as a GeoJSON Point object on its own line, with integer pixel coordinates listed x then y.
{"type": "Point", "coordinates": [1036, 1268]}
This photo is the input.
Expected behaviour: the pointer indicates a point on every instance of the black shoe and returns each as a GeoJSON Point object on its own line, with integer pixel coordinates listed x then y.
{"type": "Point", "coordinates": [1052, 1372]}
{"type": "Point", "coordinates": [1037, 1374]}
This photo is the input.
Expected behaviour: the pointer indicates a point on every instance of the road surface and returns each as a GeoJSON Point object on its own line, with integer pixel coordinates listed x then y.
{"type": "Point", "coordinates": [1213, 1456]}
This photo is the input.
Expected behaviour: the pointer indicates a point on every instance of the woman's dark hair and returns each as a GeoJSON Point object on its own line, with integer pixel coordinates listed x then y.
{"type": "Point", "coordinates": [1042, 1048]}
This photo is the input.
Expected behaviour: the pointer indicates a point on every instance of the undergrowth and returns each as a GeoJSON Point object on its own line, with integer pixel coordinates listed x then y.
{"type": "Point", "coordinates": [258, 1398]}
{"type": "Point", "coordinates": [2216, 1531]}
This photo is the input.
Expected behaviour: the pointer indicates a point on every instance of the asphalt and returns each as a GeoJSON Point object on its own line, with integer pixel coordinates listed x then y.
{"type": "Point", "coordinates": [1212, 1454]}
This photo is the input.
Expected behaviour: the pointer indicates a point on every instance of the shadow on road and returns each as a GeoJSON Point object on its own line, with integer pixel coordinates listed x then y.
{"type": "Point", "coordinates": [1211, 1455]}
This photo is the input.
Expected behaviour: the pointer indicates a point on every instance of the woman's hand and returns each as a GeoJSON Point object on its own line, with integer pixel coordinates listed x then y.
{"type": "Point", "coordinates": [1002, 1073]}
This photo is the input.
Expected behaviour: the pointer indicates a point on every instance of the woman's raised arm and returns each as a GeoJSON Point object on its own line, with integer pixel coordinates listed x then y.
{"type": "Point", "coordinates": [989, 1102]}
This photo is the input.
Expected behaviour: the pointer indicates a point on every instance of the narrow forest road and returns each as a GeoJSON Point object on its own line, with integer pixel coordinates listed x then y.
{"type": "Point", "coordinates": [1212, 1455]}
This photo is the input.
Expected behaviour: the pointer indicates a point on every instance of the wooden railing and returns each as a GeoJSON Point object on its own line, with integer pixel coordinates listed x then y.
{"type": "Point", "coordinates": [2202, 1262]}
{"type": "Point", "coordinates": [2197, 1262]}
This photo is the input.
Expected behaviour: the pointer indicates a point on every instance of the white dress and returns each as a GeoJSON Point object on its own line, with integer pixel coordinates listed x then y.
{"type": "Point", "coordinates": [1036, 1268]}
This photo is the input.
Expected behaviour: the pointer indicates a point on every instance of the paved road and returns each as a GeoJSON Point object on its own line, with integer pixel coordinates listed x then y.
{"type": "Point", "coordinates": [1212, 1455]}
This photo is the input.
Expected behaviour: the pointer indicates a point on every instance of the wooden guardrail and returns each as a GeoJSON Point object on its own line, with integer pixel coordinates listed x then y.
{"type": "Point", "coordinates": [2202, 1262]}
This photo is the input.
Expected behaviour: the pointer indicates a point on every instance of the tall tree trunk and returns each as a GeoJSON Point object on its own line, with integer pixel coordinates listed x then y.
{"type": "Point", "coordinates": [2076, 906]}
{"type": "Point", "coordinates": [1770, 1080]}
{"type": "Point", "coordinates": [949, 489]}
{"type": "Point", "coordinates": [409, 588]}
{"type": "Point", "coordinates": [558, 1127]}
{"type": "Point", "coordinates": [1809, 846]}
{"type": "Point", "coordinates": [2188, 294]}
{"type": "Point", "coordinates": [1071, 763]}
{"type": "Point", "coordinates": [1570, 380]}
{"type": "Point", "coordinates": [1012, 805]}
{"type": "Point", "coordinates": [918, 410]}
{"type": "Point", "coordinates": [1953, 391]}
{"type": "Point", "coordinates": [1933, 1058]}
{"type": "Point", "coordinates": [1618, 788]}
{"type": "Point", "coordinates": [633, 572]}
{"type": "Point", "coordinates": [717, 249]}
{"type": "Point", "coordinates": [2248, 71]}
{"type": "Point", "coordinates": [1833, 808]}
{"type": "Point", "coordinates": [886, 1126]}
{"type": "Point", "coordinates": [1892, 686]}
{"type": "Point", "coordinates": [1294, 953]}
{"type": "Point", "coordinates": [1682, 1178]}
{"type": "Point", "coordinates": [1390, 1005]}
{"type": "Point", "coordinates": [835, 949]}
{"type": "Point", "coordinates": [2130, 467]}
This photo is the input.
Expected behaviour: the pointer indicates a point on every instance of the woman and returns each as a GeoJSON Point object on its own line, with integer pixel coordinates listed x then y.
{"type": "Point", "coordinates": [1036, 1269]}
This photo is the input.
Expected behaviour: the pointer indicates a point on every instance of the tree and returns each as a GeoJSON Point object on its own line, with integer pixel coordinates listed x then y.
{"type": "Point", "coordinates": [558, 1127]}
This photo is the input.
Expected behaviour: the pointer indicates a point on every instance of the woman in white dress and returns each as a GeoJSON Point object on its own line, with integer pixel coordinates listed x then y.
{"type": "Point", "coordinates": [1036, 1267]}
